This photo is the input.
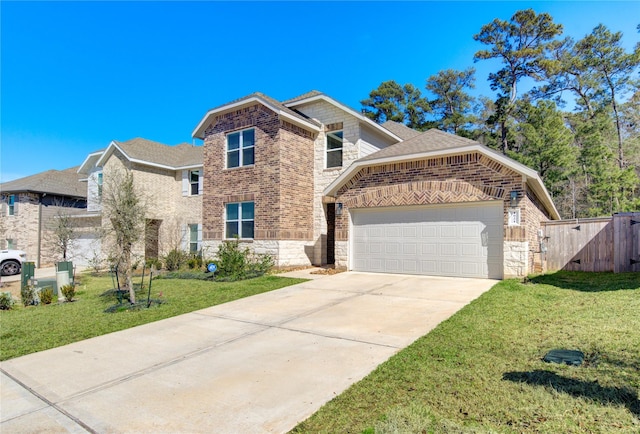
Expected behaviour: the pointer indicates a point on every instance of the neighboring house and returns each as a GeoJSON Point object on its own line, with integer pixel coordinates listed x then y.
{"type": "Point", "coordinates": [170, 180]}
{"type": "Point", "coordinates": [312, 181]}
{"type": "Point", "coordinates": [30, 206]}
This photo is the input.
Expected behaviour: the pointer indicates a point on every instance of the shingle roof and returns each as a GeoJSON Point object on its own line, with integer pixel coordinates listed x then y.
{"type": "Point", "coordinates": [303, 96]}
{"type": "Point", "coordinates": [430, 140]}
{"type": "Point", "coordinates": [61, 182]}
{"type": "Point", "coordinates": [158, 153]}
{"type": "Point", "coordinates": [400, 130]}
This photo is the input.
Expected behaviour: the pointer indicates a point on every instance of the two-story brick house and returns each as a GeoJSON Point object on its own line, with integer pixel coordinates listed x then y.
{"type": "Point", "coordinates": [266, 165]}
{"type": "Point", "coordinates": [312, 181]}
{"type": "Point", "coordinates": [170, 181]}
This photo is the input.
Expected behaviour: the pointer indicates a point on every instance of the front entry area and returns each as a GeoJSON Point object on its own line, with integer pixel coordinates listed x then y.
{"type": "Point", "coordinates": [458, 240]}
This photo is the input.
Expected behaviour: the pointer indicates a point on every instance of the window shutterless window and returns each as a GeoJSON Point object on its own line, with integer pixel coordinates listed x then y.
{"type": "Point", "coordinates": [194, 181]}
{"type": "Point", "coordinates": [12, 204]}
{"type": "Point", "coordinates": [194, 242]}
{"type": "Point", "coordinates": [99, 182]}
{"type": "Point", "coordinates": [240, 148]}
{"type": "Point", "coordinates": [239, 220]}
{"type": "Point", "coordinates": [334, 149]}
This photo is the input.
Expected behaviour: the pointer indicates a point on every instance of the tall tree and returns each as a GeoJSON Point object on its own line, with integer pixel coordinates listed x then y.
{"type": "Point", "coordinates": [613, 67]}
{"type": "Point", "coordinates": [565, 70]}
{"type": "Point", "coordinates": [608, 187]}
{"type": "Point", "coordinates": [393, 102]}
{"type": "Point", "coordinates": [546, 145]}
{"type": "Point", "coordinates": [521, 44]}
{"type": "Point", "coordinates": [452, 105]}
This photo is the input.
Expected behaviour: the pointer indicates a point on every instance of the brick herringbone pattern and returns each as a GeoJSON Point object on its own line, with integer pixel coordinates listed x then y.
{"type": "Point", "coordinates": [423, 193]}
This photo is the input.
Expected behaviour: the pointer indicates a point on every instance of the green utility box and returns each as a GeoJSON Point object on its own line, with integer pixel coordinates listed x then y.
{"type": "Point", "coordinates": [27, 272]}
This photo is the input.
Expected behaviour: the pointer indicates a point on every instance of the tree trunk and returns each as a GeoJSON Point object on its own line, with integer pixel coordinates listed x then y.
{"type": "Point", "coordinates": [503, 139]}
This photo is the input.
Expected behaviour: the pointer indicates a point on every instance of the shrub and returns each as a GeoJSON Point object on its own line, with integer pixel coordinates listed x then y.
{"type": "Point", "coordinates": [6, 301]}
{"type": "Point", "coordinates": [28, 295]}
{"type": "Point", "coordinates": [236, 263]}
{"type": "Point", "coordinates": [155, 263]}
{"type": "Point", "coordinates": [195, 262]}
{"type": "Point", "coordinates": [69, 291]}
{"type": "Point", "coordinates": [175, 260]}
{"type": "Point", "coordinates": [46, 295]}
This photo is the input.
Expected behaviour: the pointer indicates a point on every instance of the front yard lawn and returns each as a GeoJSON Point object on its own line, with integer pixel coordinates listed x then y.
{"type": "Point", "coordinates": [37, 328]}
{"type": "Point", "coordinates": [481, 370]}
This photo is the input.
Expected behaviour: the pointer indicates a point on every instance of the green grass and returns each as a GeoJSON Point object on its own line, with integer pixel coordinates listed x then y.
{"type": "Point", "coordinates": [37, 328]}
{"type": "Point", "coordinates": [481, 370]}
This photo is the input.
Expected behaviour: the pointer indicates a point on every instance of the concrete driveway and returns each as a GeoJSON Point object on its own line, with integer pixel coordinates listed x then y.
{"type": "Point", "coordinates": [260, 364]}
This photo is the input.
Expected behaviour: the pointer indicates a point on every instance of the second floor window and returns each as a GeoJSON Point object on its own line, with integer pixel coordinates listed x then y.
{"type": "Point", "coordinates": [99, 183]}
{"type": "Point", "coordinates": [12, 204]}
{"type": "Point", "coordinates": [194, 181]}
{"type": "Point", "coordinates": [334, 149]}
{"type": "Point", "coordinates": [240, 148]}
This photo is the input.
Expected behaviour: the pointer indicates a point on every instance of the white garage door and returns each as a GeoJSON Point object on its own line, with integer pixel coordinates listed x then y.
{"type": "Point", "coordinates": [461, 240]}
{"type": "Point", "coordinates": [84, 249]}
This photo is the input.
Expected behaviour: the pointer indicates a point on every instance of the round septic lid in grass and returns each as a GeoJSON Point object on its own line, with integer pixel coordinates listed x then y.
{"type": "Point", "coordinates": [568, 357]}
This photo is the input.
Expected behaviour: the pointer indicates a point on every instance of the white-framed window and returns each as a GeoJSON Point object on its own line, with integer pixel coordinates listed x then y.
{"type": "Point", "coordinates": [99, 182]}
{"type": "Point", "coordinates": [194, 182]}
{"type": "Point", "coordinates": [334, 149]}
{"type": "Point", "coordinates": [239, 220]}
{"type": "Point", "coordinates": [241, 148]}
{"type": "Point", "coordinates": [11, 201]}
{"type": "Point", "coordinates": [514, 217]}
{"type": "Point", "coordinates": [195, 238]}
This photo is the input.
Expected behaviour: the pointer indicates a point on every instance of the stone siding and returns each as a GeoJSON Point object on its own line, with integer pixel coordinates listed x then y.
{"type": "Point", "coordinates": [353, 147]}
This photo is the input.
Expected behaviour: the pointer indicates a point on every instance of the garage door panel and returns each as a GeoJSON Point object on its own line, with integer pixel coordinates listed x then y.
{"type": "Point", "coordinates": [448, 249]}
{"type": "Point", "coordinates": [410, 249]}
{"type": "Point", "coordinates": [472, 250]}
{"type": "Point", "coordinates": [461, 240]}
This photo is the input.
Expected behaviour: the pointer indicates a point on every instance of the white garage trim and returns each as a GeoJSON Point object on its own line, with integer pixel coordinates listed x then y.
{"type": "Point", "coordinates": [461, 240]}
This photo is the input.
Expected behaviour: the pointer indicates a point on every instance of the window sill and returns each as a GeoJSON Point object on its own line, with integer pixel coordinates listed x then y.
{"type": "Point", "coordinates": [240, 240]}
{"type": "Point", "coordinates": [250, 166]}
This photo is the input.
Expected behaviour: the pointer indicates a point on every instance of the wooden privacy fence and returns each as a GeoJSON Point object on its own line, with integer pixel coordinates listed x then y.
{"type": "Point", "coordinates": [595, 244]}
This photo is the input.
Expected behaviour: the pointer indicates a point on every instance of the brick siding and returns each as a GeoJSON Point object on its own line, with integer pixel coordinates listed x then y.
{"type": "Point", "coordinates": [280, 183]}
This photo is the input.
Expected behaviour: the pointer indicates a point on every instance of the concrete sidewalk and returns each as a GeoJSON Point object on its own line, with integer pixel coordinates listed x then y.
{"type": "Point", "coordinates": [259, 364]}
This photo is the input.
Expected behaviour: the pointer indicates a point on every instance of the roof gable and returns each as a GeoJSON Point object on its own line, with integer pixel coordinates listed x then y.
{"type": "Point", "coordinates": [256, 97]}
{"type": "Point", "coordinates": [317, 96]}
{"type": "Point", "coordinates": [435, 143]}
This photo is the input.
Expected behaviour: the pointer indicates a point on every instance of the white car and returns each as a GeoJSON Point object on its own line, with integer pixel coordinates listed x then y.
{"type": "Point", "coordinates": [11, 261]}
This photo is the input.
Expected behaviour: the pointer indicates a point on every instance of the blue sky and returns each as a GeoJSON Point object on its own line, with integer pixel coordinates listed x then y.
{"type": "Point", "coordinates": [76, 75]}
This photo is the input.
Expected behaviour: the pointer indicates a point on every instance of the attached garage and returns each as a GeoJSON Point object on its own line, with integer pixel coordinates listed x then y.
{"type": "Point", "coordinates": [463, 240]}
{"type": "Point", "coordinates": [442, 205]}
{"type": "Point", "coordinates": [84, 249]}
